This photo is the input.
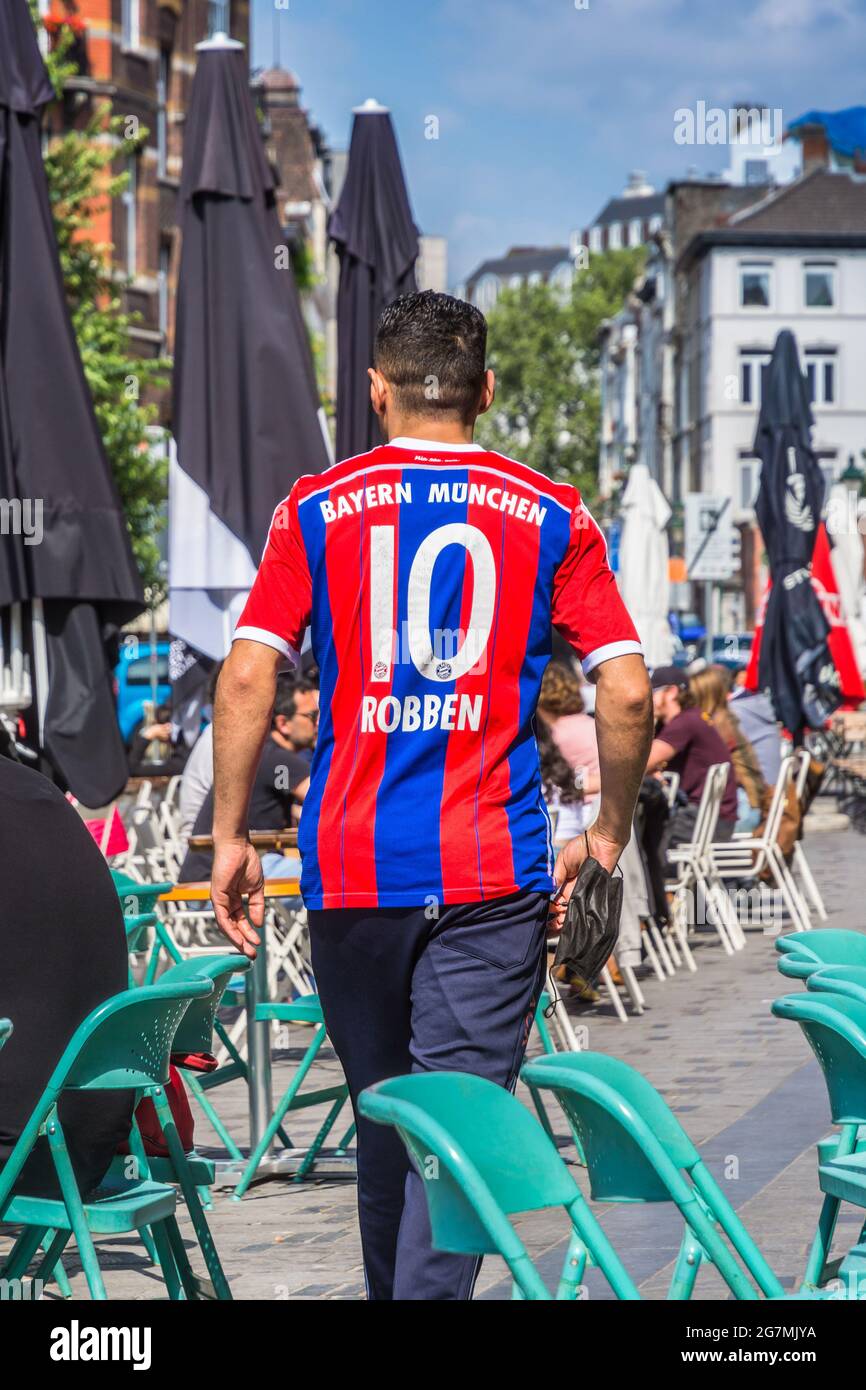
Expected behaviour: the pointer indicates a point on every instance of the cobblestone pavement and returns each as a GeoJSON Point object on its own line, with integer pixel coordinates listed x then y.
{"type": "Point", "coordinates": [744, 1084]}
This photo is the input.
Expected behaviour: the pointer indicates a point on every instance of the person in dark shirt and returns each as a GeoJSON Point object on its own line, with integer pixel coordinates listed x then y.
{"type": "Point", "coordinates": [63, 950]}
{"type": "Point", "coordinates": [688, 744]}
{"type": "Point", "coordinates": [174, 753]}
{"type": "Point", "coordinates": [282, 777]}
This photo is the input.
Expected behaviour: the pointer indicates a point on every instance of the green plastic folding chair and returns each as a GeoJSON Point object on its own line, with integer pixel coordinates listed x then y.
{"type": "Point", "coordinates": [137, 898]}
{"type": "Point", "coordinates": [124, 1044]}
{"type": "Point", "coordinates": [636, 1150]}
{"type": "Point", "coordinates": [6, 1031]}
{"type": "Point", "coordinates": [197, 1029]}
{"type": "Point", "coordinates": [834, 1025]}
{"type": "Point", "coordinates": [484, 1157]}
{"type": "Point", "coordinates": [195, 1175]}
{"type": "Point", "coordinates": [305, 1009]}
{"type": "Point", "coordinates": [800, 953]}
{"type": "Point", "coordinates": [849, 981]}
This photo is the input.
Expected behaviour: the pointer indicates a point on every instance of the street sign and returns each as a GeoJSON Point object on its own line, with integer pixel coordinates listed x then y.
{"type": "Point", "coordinates": [710, 537]}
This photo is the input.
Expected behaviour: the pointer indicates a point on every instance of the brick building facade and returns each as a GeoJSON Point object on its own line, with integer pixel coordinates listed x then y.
{"type": "Point", "coordinates": [139, 55]}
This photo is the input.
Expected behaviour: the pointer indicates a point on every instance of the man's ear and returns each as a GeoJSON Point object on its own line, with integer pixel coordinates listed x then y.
{"type": "Point", "coordinates": [378, 391]}
{"type": "Point", "coordinates": [488, 392]}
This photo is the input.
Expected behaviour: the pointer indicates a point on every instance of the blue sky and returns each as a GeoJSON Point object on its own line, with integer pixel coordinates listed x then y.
{"type": "Point", "coordinates": [544, 107]}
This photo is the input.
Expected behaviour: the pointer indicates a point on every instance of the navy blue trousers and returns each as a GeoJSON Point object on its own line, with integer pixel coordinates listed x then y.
{"type": "Point", "coordinates": [404, 990]}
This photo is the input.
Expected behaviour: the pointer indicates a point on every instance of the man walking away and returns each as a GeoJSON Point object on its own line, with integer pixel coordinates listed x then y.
{"type": "Point", "coordinates": [429, 571]}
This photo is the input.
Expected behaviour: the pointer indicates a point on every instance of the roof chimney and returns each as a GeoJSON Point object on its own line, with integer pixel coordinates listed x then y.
{"type": "Point", "coordinates": [816, 147]}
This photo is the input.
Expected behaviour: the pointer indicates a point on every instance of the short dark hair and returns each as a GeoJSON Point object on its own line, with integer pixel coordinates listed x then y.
{"type": "Point", "coordinates": [431, 348]}
{"type": "Point", "coordinates": [287, 688]}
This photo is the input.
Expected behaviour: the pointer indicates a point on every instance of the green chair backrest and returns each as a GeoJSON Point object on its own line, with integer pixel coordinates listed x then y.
{"type": "Point", "coordinates": [835, 1028]}
{"type": "Point", "coordinates": [632, 1142]}
{"type": "Point", "coordinates": [802, 952]}
{"type": "Point", "coordinates": [137, 898]}
{"type": "Point", "coordinates": [126, 1042]}
{"type": "Point", "coordinates": [195, 1030]}
{"type": "Point", "coordinates": [479, 1150]}
{"type": "Point", "coordinates": [135, 927]}
{"type": "Point", "coordinates": [5, 1030]}
{"type": "Point", "coordinates": [847, 980]}
{"type": "Point", "coordinates": [123, 1044]}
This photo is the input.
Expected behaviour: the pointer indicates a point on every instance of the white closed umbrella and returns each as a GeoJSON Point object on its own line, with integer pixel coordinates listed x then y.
{"type": "Point", "coordinates": [643, 563]}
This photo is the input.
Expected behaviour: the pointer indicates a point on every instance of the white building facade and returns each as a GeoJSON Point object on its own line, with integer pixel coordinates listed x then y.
{"type": "Point", "coordinates": [796, 261]}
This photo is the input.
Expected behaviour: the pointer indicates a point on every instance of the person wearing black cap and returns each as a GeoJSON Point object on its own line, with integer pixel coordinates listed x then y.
{"type": "Point", "coordinates": [687, 743]}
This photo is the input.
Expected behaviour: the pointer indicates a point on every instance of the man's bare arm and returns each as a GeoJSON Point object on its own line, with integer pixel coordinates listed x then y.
{"type": "Point", "coordinates": [624, 727]}
{"type": "Point", "coordinates": [242, 718]}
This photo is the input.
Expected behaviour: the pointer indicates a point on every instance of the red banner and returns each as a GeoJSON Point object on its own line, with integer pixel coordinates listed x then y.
{"type": "Point", "coordinates": [841, 646]}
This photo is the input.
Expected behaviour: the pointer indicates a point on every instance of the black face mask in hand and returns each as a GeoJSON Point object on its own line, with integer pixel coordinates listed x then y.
{"type": "Point", "coordinates": [591, 927]}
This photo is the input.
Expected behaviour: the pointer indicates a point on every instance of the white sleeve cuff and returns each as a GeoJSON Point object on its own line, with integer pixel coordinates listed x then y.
{"type": "Point", "coordinates": [267, 639]}
{"type": "Point", "coordinates": [608, 651]}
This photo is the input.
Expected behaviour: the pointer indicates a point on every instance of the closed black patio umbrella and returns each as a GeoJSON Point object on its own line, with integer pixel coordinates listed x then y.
{"type": "Point", "coordinates": [795, 667]}
{"type": "Point", "coordinates": [377, 243]}
{"type": "Point", "coordinates": [70, 581]}
{"type": "Point", "coordinates": [247, 418]}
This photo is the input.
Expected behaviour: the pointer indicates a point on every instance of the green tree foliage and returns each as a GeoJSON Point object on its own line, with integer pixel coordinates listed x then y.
{"type": "Point", "coordinates": [80, 183]}
{"type": "Point", "coordinates": [544, 349]}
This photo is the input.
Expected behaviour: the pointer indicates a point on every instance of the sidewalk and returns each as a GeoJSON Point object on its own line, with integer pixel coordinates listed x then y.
{"type": "Point", "coordinates": [744, 1084]}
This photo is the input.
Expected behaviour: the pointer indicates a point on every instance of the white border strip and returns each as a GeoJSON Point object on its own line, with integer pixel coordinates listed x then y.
{"type": "Point", "coordinates": [607, 652]}
{"type": "Point", "coordinates": [267, 639]}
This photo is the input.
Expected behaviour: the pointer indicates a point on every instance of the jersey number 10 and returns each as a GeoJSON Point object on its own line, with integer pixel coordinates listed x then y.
{"type": "Point", "coordinates": [468, 643]}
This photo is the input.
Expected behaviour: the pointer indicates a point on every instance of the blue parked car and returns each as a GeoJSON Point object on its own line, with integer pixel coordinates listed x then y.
{"type": "Point", "coordinates": [132, 680]}
{"type": "Point", "coordinates": [687, 626]}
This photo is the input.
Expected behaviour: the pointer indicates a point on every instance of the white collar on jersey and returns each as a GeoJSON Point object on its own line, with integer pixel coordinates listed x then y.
{"type": "Point", "coordinates": [406, 442]}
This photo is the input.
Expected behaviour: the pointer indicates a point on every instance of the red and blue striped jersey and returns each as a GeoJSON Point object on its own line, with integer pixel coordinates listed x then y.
{"type": "Point", "coordinates": [430, 575]}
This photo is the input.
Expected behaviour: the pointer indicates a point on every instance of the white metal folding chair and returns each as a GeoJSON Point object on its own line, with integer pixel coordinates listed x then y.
{"type": "Point", "coordinates": [698, 876]}
{"type": "Point", "coordinates": [799, 862]}
{"type": "Point", "coordinates": [749, 855]}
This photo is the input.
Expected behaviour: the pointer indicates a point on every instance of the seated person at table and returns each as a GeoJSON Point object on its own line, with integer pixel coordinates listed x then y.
{"type": "Point", "coordinates": [281, 781]}
{"type": "Point", "coordinates": [687, 743]}
{"type": "Point", "coordinates": [154, 753]}
{"type": "Point", "coordinates": [63, 952]}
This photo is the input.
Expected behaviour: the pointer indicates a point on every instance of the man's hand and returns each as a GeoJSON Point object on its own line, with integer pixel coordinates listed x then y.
{"type": "Point", "coordinates": [568, 863]}
{"type": "Point", "coordinates": [237, 870]}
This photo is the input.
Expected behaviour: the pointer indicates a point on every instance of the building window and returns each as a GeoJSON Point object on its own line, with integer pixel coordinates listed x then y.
{"type": "Point", "coordinates": [754, 285]}
{"type": "Point", "coordinates": [486, 293]}
{"type": "Point", "coordinates": [131, 23]}
{"type": "Point", "coordinates": [756, 171]}
{"type": "Point", "coordinates": [163, 274]}
{"type": "Point", "coordinates": [828, 463]}
{"type": "Point", "coordinates": [750, 478]}
{"type": "Point", "coordinates": [163, 76]}
{"type": "Point", "coordinates": [635, 231]}
{"type": "Point", "coordinates": [751, 362]}
{"type": "Point", "coordinates": [129, 198]}
{"type": "Point", "coordinates": [614, 236]}
{"type": "Point", "coordinates": [595, 238]}
{"type": "Point", "coordinates": [821, 375]}
{"type": "Point", "coordinates": [819, 284]}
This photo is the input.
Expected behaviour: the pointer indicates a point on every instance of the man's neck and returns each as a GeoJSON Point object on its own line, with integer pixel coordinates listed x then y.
{"type": "Point", "coordinates": [283, 742]}
{"type": "Point", "coordinates": [435, 431]}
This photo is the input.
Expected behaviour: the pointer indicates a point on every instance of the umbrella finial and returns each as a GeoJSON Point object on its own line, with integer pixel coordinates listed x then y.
{"type": "Point", "coordinates": [220, 40]}
{"type": "Point", "coordinates": [371, 107]}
